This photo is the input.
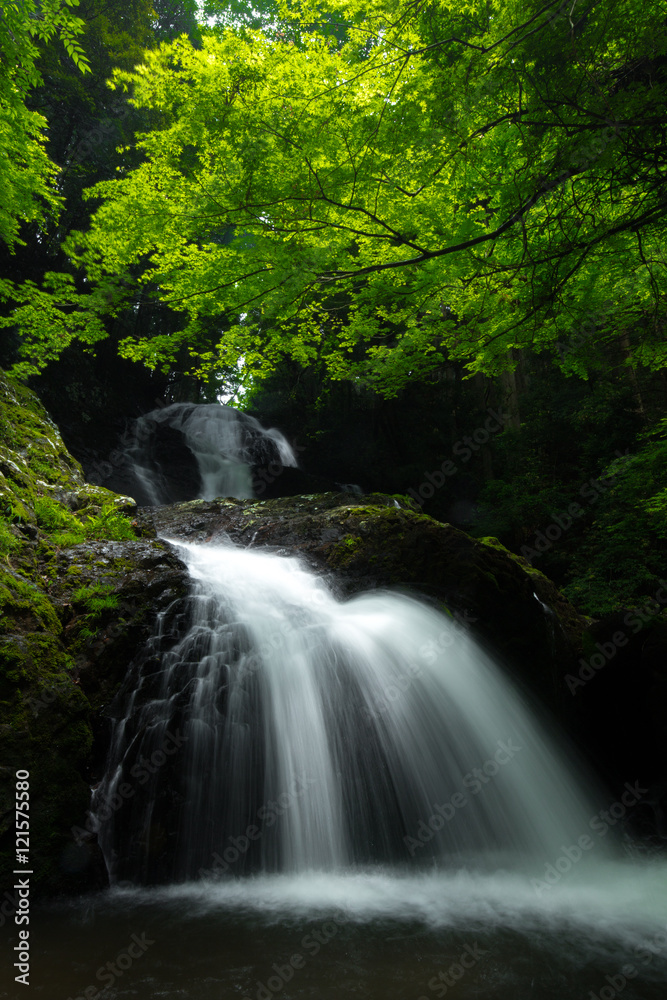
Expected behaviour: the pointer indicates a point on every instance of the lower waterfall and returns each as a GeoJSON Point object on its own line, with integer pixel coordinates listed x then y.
{"type": "Point", "coordinates": [291, 732]}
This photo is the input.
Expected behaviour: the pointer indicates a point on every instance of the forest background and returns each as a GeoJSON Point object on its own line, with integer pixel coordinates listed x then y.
{"type": "Point", "coordinates": [426, 240]}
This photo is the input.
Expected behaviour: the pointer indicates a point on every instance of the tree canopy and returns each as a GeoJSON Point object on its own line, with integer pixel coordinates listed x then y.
{"type": "Point", "coordinates": [377, 188]}
{"type": "Point", "coordinates": [84, 130]}
{"type": "Point", "coordinates": [26, 173]}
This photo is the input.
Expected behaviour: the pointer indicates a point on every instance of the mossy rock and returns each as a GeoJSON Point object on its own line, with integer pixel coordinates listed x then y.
{"type": "Point", "coordinates": [80, 588]}
{"type": "Point", "coordinates": [380, 541]}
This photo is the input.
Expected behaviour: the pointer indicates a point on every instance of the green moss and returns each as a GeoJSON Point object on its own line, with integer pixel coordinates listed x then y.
{"type": "Point", "coordinates": [491, 542]}
{"type": "Point", "coordinates": [391, 499]}
{"type": "Point", "coordinates": [345, 550]}
{"type": "Point", "coordinates": [390, 514]}
{"type": "Point", "coordinates": [41, 485]}
{"type": "Point", "coordinates": [8, 541]}
{"type": "Point", "coordinates": [57, 592]}
{"type": "Point", "coordinates": [22, 600]}
{"type": "Point", "coordinates": [12, 664]}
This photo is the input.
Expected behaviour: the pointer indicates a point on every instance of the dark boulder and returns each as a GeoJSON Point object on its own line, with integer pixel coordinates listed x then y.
{"type": "Point", "coordinates": [377, 541]}
{"type": "Point", "coordinates": [167, 463]}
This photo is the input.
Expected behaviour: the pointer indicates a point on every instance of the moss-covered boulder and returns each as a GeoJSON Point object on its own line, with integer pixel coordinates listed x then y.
{"type": "Point", "coordinates": [606, 680]}
{"type": "Point", "coordinates": [79, 592]}
{"type": "Point", "coordinates": [383, 541]}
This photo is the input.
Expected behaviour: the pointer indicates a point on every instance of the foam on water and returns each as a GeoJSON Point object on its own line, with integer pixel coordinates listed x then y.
{"type": "Point", "coordinates": [614, 905]}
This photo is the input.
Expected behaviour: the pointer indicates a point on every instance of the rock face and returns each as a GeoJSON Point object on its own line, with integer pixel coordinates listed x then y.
{"type": "Point", "coordinates": [379, 541]}
{"type": "Point", "coordinates": [79, 591]}
{"type": "Point", "coordinates": [170, 462]}
{"type": "Point", "coordinates": [605, 681]}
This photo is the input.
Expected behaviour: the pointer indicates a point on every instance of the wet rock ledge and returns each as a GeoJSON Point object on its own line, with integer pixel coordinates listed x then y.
{"type": "Point", "coordinates": [379, 541]}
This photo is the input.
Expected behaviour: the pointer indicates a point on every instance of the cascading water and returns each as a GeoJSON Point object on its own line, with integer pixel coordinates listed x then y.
{"type": "Point", "coordinates": [224, 443]}
{"type": "Point", "coordinates": [312, 734]}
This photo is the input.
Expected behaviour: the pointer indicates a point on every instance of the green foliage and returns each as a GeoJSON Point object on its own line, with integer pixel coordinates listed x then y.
{"type": "Point", "coordinates": [26, 173]}
{"type": "Point", "coordinates": [52, 516]}
{"type": "Point", "coordinates": [623, 556]}
{"type": "Point", "coordinates": [51, 318]}
{"type": "Point", "coordinates": [458, 181]}
{"type": "Point", "coordinates": [520, 506]}
{"type": "Point", "coordinates": [97, 597]}
{"type": "Point", "coordinates": [93, 606]}
{"type": "Point", "coordinates": [86, 126]}
{"type": "Point", "coordinates": [96, 601]}
{"type": "Point", "coordinates": [177, 17]}
{"type": "Point", "coordinates": [26, 23]}
{"type": "Point", "coordinates": [109, 524]}
{"type": "Point", "coordinates": [27, 188]}
{"type": "Point", "coordinates": [8, 541]}
{"type": "Point", "coordinates": [579, 490]}
{"type": "Point", "coordinates": [65, 528]}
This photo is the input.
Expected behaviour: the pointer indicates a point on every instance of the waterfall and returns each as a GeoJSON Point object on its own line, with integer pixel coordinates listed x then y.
{"type": "Point", "coordinates": [291, 732]}
{"type": "Point", "coordinates": [222, 444]}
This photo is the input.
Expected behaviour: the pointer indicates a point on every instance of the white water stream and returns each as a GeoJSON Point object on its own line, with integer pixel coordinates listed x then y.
{"type": "Point", "coordinates": [318, 735]}
{"type": "Point", "coordinates": [225, 443]}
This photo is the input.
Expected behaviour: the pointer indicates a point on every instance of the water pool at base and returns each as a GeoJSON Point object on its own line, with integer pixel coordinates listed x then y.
{"type": "Point", "coordinates": [374, 936]}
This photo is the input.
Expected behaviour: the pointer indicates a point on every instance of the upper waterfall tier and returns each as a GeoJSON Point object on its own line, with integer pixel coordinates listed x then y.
{"type": "Point", "coordinates": [206, 450]}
